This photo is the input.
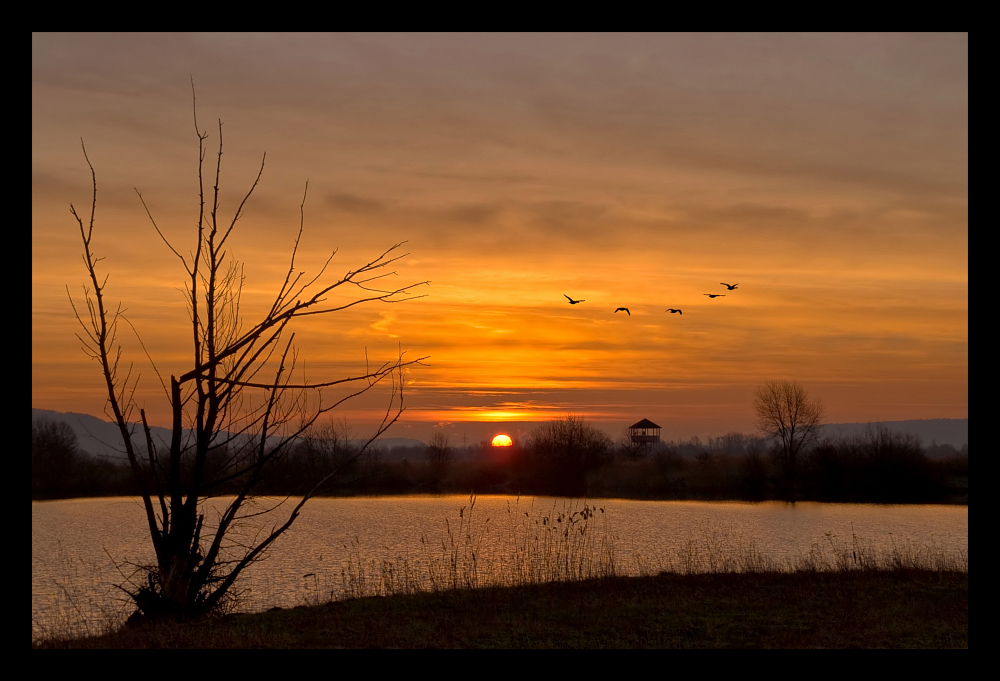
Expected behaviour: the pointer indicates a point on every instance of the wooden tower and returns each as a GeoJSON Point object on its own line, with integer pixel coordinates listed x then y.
{"type": "Point", "coordinates": [645, 433]}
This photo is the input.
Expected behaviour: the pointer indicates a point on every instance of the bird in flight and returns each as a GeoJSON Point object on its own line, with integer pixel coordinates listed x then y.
{"type": "Point", "coordinates": [626, 311]}
{"type": "Point", "coordinates": [716, 295]}
{"type": "Point", "coordinates": [731, 287]}
{"type": "Point", "coordinates": [672, 310]}
{"type": "Point", "coordinates": [571, 301]}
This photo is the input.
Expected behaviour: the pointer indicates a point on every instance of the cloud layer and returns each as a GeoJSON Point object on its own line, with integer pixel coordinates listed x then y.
{"type": "Point", "coordinates": [827, 174]}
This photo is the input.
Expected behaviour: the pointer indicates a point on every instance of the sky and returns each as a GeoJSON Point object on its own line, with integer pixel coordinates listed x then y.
{"type": "Point", "coordinates": [826, 174]}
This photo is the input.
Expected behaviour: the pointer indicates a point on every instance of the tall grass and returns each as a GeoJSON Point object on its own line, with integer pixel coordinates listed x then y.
{"type": "Point", "coordinates": [84, 601]}
{"type": "Point", "coordinates": [576, 543]}
{"type": "Point", "coordinates": [714, 554]}
{"type": "Point", "coordinates": [520, 547]}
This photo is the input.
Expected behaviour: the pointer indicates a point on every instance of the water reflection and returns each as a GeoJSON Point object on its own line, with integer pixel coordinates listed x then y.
{"type": "Point", "coordinates": [340, 545]}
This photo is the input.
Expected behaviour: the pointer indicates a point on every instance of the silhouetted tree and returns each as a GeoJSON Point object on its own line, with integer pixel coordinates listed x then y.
{"type": "Point", "coordinates": [562, 452]}
{"type": "Point", "coordinates": [55, 458]}
{"type": "Point", "coordinates": [898, 469]}
{"type": "Point", "coordinates": [627, 446]}
{"type": "Point", "coordinates": [329, 446]}
{"type": "Point", "coordinates": [786, 414]}
{"type": "Point", "coordinates": [734, 444]}
{"type": "Point", "coordinates": [238, 401]}
{"type": "Point", "coordinates": [439, 452]}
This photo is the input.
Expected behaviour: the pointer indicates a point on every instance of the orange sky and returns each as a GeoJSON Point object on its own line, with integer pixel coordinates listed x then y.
{"type": "Point", "coordinates": [827, 174]}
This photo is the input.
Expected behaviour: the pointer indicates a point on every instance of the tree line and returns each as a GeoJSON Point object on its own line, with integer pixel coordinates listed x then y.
{"type": "Point", "coordinates": [564, 457]}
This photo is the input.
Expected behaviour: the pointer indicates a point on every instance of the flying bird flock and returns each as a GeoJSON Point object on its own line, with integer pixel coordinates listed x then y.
{"type": "Point", "coordinates": [729, 287]}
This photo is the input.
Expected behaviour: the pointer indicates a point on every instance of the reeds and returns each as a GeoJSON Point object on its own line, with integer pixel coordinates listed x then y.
{"type": "Point", "coordinates": [521, 547]}
{"type": "Point", "coordinates": [714, 554]}
{"type": "Point", "coordinates": [571, 543]}
{"type": "Point", "coordinates": [85, 602]}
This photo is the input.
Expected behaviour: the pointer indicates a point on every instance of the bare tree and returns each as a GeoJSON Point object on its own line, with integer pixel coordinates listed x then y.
{"type": "Point", "coordinates": [236, 411]}
{"type": "Point", "coordinates": [55, 456]}
{"type": "Point", "coordinates": [562, 452]}
{"type": "Point", "coordinates": [786, 414]}
{"type": "Point", "coordinates": [439, 452]}
{"type": "Point", "coordinates": [331, 443]}
{"type": "Point", "coordinates": [627, 446]}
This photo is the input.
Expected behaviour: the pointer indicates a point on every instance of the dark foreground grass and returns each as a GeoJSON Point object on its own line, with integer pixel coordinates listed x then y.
{"type": "Point", "coordinates": [844, 609]}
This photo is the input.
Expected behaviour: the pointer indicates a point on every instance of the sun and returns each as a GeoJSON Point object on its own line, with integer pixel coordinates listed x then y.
{"type": "Point", "coordinates": [502, 441]}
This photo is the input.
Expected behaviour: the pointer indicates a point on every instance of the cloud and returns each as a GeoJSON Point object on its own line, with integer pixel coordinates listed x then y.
{"type": "Point", "coordinates": [355, 204]}
{"type": "Point", "coordinates": [384, 320]}
{"type": "Point", "coordinates": [828, 173]}
{"type": "Point", "coordinates": [475, 213]}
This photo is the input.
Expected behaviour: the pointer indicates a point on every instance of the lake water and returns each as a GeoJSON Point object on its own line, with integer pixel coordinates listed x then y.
{"type": "Point", "coordinates": [344, 547]}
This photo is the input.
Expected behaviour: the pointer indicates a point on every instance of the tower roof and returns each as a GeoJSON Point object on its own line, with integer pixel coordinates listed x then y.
{"type": "Point", "coordinates": [645, 423]}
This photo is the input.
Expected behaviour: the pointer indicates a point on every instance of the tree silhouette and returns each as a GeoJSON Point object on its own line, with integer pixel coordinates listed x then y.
{"type": "Point", "coordinates": [439, 452]}
{"type": "Point", "coordinates": [785, 413]}
{"type": "Point", "coordinates": [236, 411]}
{"type": "Point", "coordinates": [55, 458]}
{"type": "Point", "coordinates": [563, 451]}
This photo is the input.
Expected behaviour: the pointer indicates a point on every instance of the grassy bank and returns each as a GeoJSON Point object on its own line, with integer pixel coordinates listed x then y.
{"type": "Point", "coordinates": [558, 577]}
{"type": "Point", "coordinates": [902, 608]}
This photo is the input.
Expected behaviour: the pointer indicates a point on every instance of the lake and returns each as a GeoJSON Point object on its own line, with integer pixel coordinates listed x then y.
{"type": "Point", "coordinates": [345, 547]}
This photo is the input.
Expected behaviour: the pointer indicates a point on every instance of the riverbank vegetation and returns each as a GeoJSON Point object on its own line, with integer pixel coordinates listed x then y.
{"type": "Point", "coordinates": [848, 609]}
{"type": "Point", "coordinates": [566, 458]}
{"type": "Point", "coordinates": [502, 552]}
{"type": "Point", "coordinates": [560, 578]}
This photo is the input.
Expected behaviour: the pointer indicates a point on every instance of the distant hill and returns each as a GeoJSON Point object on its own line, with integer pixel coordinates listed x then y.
{"type": "Point", "coordinates": [99, 437]}
{"type": "Point", "coordinates": [954, 432]}
{"type": "Point", "coordinates": [102, 438]}
{"type": "Point", "coordinates": [389, 442]}
{"type": "Point", "coordinates": [96, 436]}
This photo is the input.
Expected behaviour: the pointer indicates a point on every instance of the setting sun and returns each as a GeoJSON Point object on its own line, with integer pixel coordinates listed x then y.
{"type": "Point", "coordinates": [502, 441]}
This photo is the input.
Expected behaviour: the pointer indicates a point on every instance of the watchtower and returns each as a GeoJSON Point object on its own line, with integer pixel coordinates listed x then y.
{"type": "Point", "coordinates": [645, 433]}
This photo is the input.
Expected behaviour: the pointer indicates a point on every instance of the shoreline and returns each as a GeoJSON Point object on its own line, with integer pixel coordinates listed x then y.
{"type": "Point", "coordinates": [903, 608]}
{"type": "Point", "coordinates": [951, 502]}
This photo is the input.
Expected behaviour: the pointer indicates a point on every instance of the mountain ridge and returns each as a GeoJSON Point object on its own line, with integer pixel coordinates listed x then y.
{"type": "Point", "coordinates": [101, 438]}
{"type": "Point", "coordinates": [95, 435]}
{"type": "Point", "coordinates": [954, 432]}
